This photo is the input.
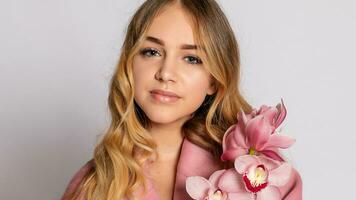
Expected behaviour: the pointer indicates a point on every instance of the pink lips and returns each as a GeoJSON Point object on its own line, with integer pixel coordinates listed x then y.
{"type": "Point", "coordinates": [164, 96]}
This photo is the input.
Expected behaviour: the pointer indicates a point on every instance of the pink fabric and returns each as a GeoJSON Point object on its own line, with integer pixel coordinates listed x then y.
{"type": "Point", "coordinates": [76, 179]}
{"type": "Point", "coordinates": [193, 161]}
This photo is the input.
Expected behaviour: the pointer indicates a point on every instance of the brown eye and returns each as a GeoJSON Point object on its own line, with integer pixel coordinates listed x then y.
{"type": "Point", "coordinates": [193, 60]}
{"type": "Point", "coordinates": [149, 52]}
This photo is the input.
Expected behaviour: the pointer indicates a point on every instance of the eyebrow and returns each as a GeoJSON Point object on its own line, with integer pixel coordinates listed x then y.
{"type": "Point", "coordinates": [160, 42]}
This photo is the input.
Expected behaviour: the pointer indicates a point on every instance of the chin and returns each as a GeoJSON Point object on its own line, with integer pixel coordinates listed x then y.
{"type": "Point", "coordinates": [161, 118]}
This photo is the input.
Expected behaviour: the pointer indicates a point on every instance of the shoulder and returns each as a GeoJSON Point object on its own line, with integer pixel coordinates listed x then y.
{"type": "Point", "coordinates": [293, 189]}
{"type": "Point", "coordinates": [77, 179]}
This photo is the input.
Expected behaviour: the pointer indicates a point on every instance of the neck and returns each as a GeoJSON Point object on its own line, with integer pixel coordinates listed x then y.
{"type": "Point", "coordinates": [168, 143]}
{"type": "Point", "coordinates": [169, 139]}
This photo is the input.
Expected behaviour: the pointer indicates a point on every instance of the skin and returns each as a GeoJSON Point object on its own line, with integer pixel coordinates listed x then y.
{"type": "Point", "coordinates": [170, 67]}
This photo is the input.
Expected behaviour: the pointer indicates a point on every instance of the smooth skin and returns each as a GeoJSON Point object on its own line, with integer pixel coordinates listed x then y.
{"type": "Point", "coordinates": [168, 61]}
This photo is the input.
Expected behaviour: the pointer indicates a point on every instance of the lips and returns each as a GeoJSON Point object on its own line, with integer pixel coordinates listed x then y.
{"type": "Point", "coordinates": [165, 93]}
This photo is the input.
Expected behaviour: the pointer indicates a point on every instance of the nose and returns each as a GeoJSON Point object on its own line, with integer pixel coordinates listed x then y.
{"type": "Point", "coordinates": [167, 70]}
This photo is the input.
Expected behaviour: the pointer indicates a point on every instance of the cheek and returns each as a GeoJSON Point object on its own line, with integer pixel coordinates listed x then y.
{"type": "Point", "coordinates": [196, 85]}
{"type": "Point", "coordinates": [139, 81]}
{"type": "Point", "coordinates": [142, 75]}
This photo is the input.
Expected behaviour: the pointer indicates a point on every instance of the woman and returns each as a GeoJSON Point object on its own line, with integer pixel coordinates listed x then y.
{"type": "Point", "coordinates": [173, 95]}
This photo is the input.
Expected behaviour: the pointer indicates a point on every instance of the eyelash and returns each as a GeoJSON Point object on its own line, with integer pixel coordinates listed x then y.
{"type": "Point", "coordinates": [143, 52]}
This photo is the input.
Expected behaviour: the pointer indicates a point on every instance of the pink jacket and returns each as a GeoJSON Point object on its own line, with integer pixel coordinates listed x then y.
{"type": "Point", "coordinates": [193, 161]}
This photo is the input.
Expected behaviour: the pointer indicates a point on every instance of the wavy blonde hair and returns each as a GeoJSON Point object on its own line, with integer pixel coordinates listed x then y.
{"type": "Point", "coordinates": [117, 173]}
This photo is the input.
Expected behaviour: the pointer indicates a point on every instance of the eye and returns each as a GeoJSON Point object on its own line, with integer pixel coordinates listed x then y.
{"type": "Point", "coordinates": [193, 60]}
{"type": "Point", "coordinates": [149, 52]}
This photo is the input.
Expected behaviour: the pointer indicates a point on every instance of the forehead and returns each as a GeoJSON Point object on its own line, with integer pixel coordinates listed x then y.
{"type": "Point", "coordinates": [173, 26]}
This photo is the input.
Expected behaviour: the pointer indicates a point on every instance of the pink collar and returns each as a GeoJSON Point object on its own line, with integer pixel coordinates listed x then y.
{"type": "Point", "coordinates": [193, 161]}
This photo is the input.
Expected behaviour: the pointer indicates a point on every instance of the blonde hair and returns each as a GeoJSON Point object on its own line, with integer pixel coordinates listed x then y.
{"type": "Point", "coordinates": [117, 173]}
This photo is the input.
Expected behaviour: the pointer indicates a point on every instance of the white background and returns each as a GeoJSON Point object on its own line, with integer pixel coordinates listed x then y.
{"type": "Point", "coordinates": [56, 59]}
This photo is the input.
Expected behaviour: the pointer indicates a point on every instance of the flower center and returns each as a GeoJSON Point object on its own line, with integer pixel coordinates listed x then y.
{"type": "Point", "coordinates": [256, 179]}
{"type": "Point", "coordinates": [218, 195]}
{"type": "Point", "coordinates": [251, 151]}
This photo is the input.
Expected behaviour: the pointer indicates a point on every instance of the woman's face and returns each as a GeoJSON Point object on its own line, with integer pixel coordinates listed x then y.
{"type": "Point", "coordinates": [168, 62]}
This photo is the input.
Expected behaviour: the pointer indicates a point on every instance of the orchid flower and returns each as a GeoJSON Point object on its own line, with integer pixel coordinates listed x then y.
{"type": "Point", "coordinates": [225, 184]}
{"type": "Point", "coordinates": [262, 176]}
{"type": "Point", "coordinates": [201, 189]}
{"type": "Point", "coordinates": [254, 134]}
{"type": "Point", "coordinates": [253, 177]}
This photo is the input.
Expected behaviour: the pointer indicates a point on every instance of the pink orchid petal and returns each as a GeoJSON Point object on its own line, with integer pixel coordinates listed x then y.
{"type": "Point", "coordinates": [197, 187]}
{"type": "Point", "coordinates": [242, 163]}
{"type": "Point", "coordinates": [252, 114]}
{"type": "Point", "coordinates": [240, 196]}
{"type": "Point", "coordinates": [272, 154]}
{"type": "Point", "coordinates": [281, 175]}
{"type": "Point", "coordinates": [240, 137]}
{"type": "Point", "coordinates": [231, 181]}
{"type": "Point", "coordinates": [263, 109]}
{"type": "Point", "coordinates": [228, 141]}
{"type": "Point", "coordinates": [282, 112]}
{"type": "Point", "coordinates": [269, 163]}
{"type": "Point", "coordinates": [233, 153]}
{"type": "Point", "coordinates": [258, 132]}
{"type": "Point", "coordinates": [270, 114]}
{"type": "Point", "coordinates": [242, 121]}
{"type": "Point", "coordinates": [269, 193]}
{"type": "Point", "coordinates": [242, 116]}
{"type": "Point", "coordinates": [279, 141]}
{"type": "Point", "coordinates": [214, 178]}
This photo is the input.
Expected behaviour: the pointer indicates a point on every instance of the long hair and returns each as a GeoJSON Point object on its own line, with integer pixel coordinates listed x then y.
{"type": "Point", "coordinates": [117, 173]}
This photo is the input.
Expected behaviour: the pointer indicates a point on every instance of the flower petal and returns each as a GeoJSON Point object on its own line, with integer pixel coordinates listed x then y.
{"type": "Point", "coordinates": [258, 131]}
{"type": "Point", "coordinates": [214, 178]}
{"type": "Point", "coordinates": [282, 112]}
{"type": "Point", "coordinates": [269, 163]}
{"type": "Point", "coordinates": [228, 139]}
{"type": "Point", "coordinates": [240, 136]}
{"type": "Point", "coordinates": [231, 181]}
{"type": "Point", "coordinates": [231, 146]}
{"type": "Point", "coordinates": [233, 153]}
{"type": "Point", "coordinates": [242, 163]}
{"type": "Point", "coordinates": [269, 193]}
{"type": "Point", "coordinates": [281, 175]}
{"type": "Point", "coordinates": [240, 196]}
{"type": "Point", "coordinates": [242, 115]}
{"type": "Point", "coordinates": [263, 109]}
{"type": "Point", "coordinates": [272, 154]}
{"type": "Point", "coordinates": [279, 141]}
{"type": "Point", "coordinates": [269, 112]}
{"type": "Point", "coordinates": [197, 187]}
